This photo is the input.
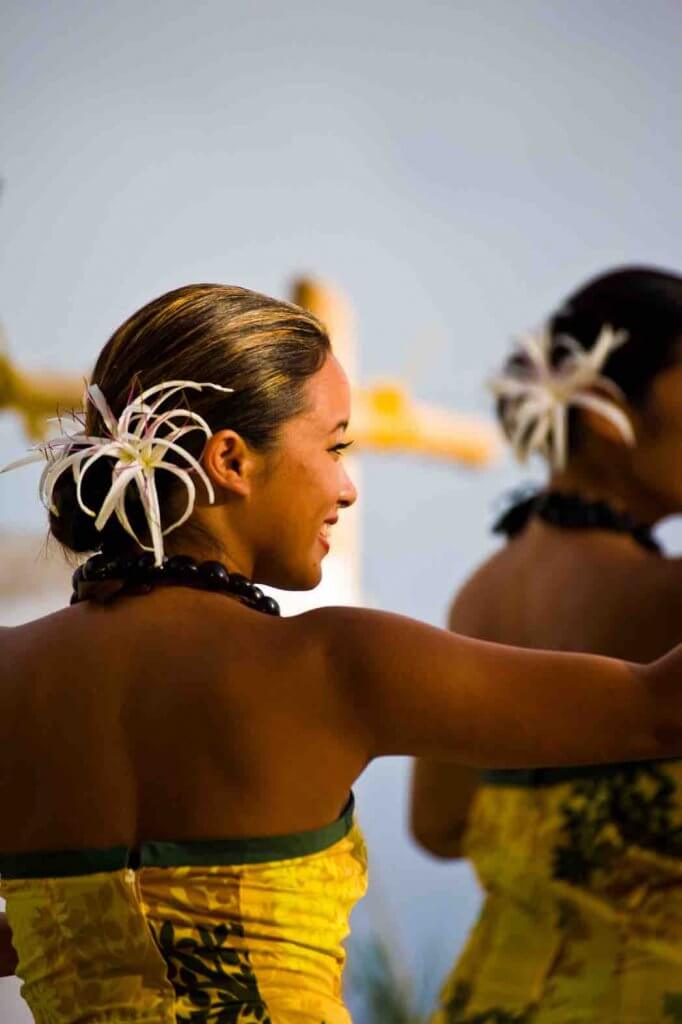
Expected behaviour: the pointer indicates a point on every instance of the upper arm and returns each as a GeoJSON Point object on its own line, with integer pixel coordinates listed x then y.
{"type": "Point", "coordinates": [418, 690]}
{"type": "Point", "coordinates": [440, 799]}
{"type": "Point", "coordinates": [442, 791]}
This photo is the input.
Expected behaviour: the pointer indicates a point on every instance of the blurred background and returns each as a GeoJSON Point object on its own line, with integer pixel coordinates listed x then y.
{"type": "Point", "coordinates": [454, 167]}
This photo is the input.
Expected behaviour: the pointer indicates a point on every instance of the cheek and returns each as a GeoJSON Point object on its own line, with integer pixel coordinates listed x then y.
{"type": "Point", "coordinates": [309, 494]}
{"type": "Point", "coordinates": [659, 460]}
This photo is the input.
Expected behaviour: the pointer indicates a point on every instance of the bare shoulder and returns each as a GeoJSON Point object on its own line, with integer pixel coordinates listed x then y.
{"type": "Point", "coordinates": [474, 607]}
{"type": "Point", "coordinates": [655, 593]}
{"type": "Point", "coordinates": [347, 635]}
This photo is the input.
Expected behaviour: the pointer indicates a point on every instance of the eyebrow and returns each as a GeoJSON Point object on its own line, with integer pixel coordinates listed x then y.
{"type": "Point", "coordinates": [341, 425]}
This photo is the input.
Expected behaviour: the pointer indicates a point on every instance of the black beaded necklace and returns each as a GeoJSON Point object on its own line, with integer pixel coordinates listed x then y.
{"type": "Point", "coordinates": [576, 513]}
{"type": "Point", "coordinates": [102, 577]}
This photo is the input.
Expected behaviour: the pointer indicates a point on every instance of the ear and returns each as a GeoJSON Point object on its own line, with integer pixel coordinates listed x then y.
{"type": "Point", "coordinates": [229, 462]}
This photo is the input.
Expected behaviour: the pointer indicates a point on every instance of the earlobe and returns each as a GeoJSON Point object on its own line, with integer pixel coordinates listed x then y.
{"type": "Point", "coordinates": [227, 462]}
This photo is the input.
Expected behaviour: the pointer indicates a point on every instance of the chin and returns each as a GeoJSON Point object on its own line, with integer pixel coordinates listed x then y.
{"type": "Point", "coordinates": [307, 581]}
{"type": "Point", "coordinates": [293, 578]}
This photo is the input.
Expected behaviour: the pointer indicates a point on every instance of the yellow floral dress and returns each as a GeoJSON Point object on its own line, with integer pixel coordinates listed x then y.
{"type": "Point", "coordinates": [582, 919]}
{"type": "Point", "coordinates": [220, 932]}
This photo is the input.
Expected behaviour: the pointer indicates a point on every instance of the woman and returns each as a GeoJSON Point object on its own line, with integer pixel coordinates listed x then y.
{"type": "Point", "coordinates": [582, 868]}
{"type": "Point", "coordinates": [170, 707]}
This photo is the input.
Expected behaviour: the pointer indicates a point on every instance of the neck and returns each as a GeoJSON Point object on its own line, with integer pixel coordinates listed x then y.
{"type": "Point", "coordinates": [608, 481]}
{"type": "Point", "coordinates": [203, 544]}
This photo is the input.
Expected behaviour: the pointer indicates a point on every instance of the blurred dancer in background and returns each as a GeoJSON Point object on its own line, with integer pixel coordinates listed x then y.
{"type": "Point", "coordinates": [582, 868]}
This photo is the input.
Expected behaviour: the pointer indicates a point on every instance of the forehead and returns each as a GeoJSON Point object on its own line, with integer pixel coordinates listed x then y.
{"type": "Point", "coordinates": [328, 394]}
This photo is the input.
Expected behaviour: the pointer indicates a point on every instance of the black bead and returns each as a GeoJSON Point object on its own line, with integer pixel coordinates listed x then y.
{"type": "Point", "coordinates": [239, 585]}
{"type": "Point", "coordinates": [574, 512]}
{"type": "Point", "coordinates": [145, 564]}
{"type": "Point", "coordinates": [140, 573]}
{"type": "Point", "coordinates": [215, 575]}
{"type": "Point", "coordinates": [113, 569]}
{"type": "Point", "coordinates": [94, 569]}
{"type": "Point", "coordinates": [269, 606]}
{"type": "Point", "coordinates": [182, 566]}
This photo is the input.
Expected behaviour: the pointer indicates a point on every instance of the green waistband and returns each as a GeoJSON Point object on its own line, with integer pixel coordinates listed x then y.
{"type": "Point", "coordinates": [195, 852]}
{"type": "Point", "coordinates": [538, 778]}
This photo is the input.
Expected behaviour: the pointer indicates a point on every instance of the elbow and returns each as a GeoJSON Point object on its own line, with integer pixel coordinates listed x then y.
{"type": "Point", "coordinates": [8, 964]}
{"type": "Point", "coordinates": [8, 955]}
{"type": "Point", "coordinates": [443, 846]}
{"type": "Point", "coordinates": [664, 733]}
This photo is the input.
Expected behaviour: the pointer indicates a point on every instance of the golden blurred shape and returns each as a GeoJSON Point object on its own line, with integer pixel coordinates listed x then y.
{"type": "Point", "coordinates": [36, 396]}
{"type": "Point", "coordinates": [385, 417]}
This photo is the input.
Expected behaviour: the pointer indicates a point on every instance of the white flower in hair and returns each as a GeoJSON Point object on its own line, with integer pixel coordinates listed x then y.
{"type": "Point", "coordinates": [133, 440]}
{"type": "Point", "coordinates": [540, 394]}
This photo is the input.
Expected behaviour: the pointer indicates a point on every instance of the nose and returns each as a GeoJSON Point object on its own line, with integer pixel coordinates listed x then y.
{"type": "Point", "coordinates": [348, 494]}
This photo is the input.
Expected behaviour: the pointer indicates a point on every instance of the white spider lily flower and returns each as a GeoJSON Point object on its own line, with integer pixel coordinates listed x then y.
{"type": "Point", "coordinates": [540, 394]}
{"type": "Point", "coordinates": [134, 443]}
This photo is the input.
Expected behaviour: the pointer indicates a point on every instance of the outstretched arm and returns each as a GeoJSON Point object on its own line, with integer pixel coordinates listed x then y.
{"type": "Point", "coordinates": [414, 689]}
{"type": "Point", "coordinates": [8, 956]}
{"type": "Point", "coordinates": [442, 792]}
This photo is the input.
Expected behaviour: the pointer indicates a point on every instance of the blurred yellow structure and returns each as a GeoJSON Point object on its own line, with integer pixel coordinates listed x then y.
{"type": "Point", "coordinates": [385, 416]}
{"type": "Point", "coordinates": [35, 396]}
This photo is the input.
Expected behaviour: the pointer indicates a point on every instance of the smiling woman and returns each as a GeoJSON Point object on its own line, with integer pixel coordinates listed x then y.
{"type": "Point", "coordinates": [258, 355]}
{"type": "Point", "coordinates": [175, 772]}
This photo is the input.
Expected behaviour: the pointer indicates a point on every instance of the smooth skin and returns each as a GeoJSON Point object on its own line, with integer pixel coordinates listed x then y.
{"type": "Point", "coordinates": [184, 715]}
{"type": "Point", "coordinates": [569, 590]}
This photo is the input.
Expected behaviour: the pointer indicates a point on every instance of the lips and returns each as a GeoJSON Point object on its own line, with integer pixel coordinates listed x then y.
{"type": "Point", "coordinates": [323, 535]}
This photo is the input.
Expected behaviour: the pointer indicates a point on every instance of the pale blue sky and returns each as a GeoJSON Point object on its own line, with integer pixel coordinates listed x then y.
{"type": "Point", "coordinates": [456, 167]}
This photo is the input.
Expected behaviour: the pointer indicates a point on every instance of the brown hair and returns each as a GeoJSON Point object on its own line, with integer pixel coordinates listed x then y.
{"type": "Point", "coordinates": [263, 348]}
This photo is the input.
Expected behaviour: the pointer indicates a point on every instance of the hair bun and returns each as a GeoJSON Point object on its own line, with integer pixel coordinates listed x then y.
{"type": "Point", "coordinates": [73, 527]}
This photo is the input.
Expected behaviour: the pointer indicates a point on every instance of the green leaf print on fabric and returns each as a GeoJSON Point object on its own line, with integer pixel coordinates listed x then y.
{"type": "Point", "coordinates": [672, 1007]}
{"type": "Point", "coordinates": [604, 814]}
{"type": "Point", "coordinates": [212, 977]}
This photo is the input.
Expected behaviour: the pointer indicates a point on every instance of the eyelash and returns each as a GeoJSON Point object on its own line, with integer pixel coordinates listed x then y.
{"type": "Point", "coordinates": [338, 449]}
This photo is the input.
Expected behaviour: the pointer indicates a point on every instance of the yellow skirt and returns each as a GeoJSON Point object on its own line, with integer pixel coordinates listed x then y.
{"type": "Point", "coordinates": [582, 920]}
{"type": "Point", "coordinates": [245, 930]}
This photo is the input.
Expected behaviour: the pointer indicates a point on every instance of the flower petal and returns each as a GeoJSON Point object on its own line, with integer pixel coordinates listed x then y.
{"type": "Point", "coordinates": [96, 397]}
{"type": "Point", "coordinates": [35, 457]}
{"type": "Point", "coordinates": [170, 388]}
{"type": "Point", "coordinates": [115, 495]}
{"type": "Point", "coordinates": [106, 449]}
{"type": "Point", "coordinates": [53, 471]}
{"type": "Point", "coordinates": [191, 495]}
{"type": "Point", "coordinates": [196, 466]}
{"type": "Point", "coordinates": [610, 411]}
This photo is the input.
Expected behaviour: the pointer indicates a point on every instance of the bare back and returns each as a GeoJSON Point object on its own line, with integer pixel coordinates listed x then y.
{"type": "Point", "coordinates": [569, 590]}
{"type": "Point", "coordinates": [173, 715]}
{"type": "Point", "coordinates": [559, 590]}
{"type": "Point", "coordinates": [182, 715]}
